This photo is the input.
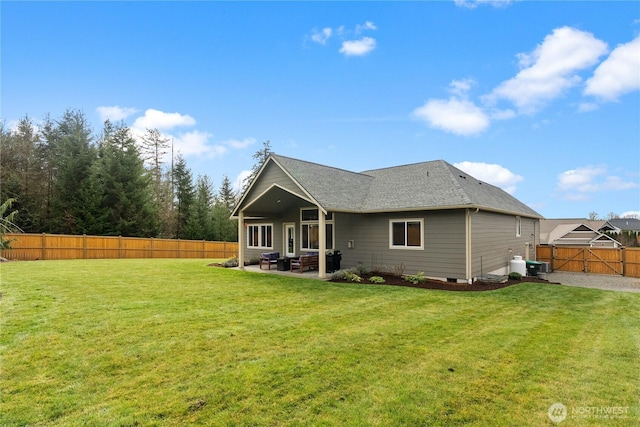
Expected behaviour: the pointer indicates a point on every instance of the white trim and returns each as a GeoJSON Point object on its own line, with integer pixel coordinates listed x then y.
{"type": "Point", "coordinates": [406, 247]}
{"type": "Point", "coordinates": [285, 246]}
{"type": "Point", "coordinates": [518, 226]}
{"type": "Point", "coordinates": [320, 230]}
{"type": "Point", "coordinates": [260, 242]}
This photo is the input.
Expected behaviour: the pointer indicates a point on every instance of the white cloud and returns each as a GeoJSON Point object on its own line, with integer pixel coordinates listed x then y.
{"type": "Point", "coordinates": [358, 47]}
{"type": "Point", "coordinates": [460, 117]}
{"type": "Point", "coordinates": [578, 183]}
{"type": "Point", "coordinates": [115, 113]}
{"type": "Point", "coordinates": [192, 143]}
{"type": "Point", "coordinates": [321, 37]}
{"type": "Point", "coordinates": [579, 179]}
{"type": "Point", "coordinates": [366, 26]}
{"type": "Point", "coordinates": [461, 87]}
{"type": "Point", "coordinates": [551, 69]}
{"type": "Point", "coordinates": [618, 74]}
{"type": "Point", "coordinates": [195, 143]}
{"type": "Point", "coordinates": [630, 214]}
{"type": "Point", "coordinates": [234, 143]}
{"type": "Point", "coordinates": [492, 173]}
{"type": "Point", "coordinates": [156, 119]}
{"type": "Point", "coordinates": [239, 181]}
{"type": "Point", "coordinates": [457, 114]}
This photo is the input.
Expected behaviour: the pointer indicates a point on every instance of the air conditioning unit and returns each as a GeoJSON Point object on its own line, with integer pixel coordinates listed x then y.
{"type": "Point", "coordinates": [545, 267]}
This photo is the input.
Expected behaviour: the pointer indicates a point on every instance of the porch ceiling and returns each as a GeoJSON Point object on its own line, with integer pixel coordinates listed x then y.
{"type": "Point", "coordinates": [273, 202]}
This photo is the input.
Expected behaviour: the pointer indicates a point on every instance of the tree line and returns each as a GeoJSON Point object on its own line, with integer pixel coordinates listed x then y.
{"type": "Point", "coordinates": [63, 179]}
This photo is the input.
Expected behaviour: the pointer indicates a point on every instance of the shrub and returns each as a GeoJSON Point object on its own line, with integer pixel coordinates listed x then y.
{"type": "Point", "coordinates": [360, 270]}
{"type": "Point", "coordinates": [231, 262]}
{"type": "Point", "coordinates": [515, 276]}
{"type": "Point", "coordinates": [398, 270]}
{"type": "Point", "coordinates": [376, 279]}
{"type": "Point", "coordinates": [415, 278]}
{"type": "Point", "coordinates": [338, 275]}
{"type": "Point", "coordinates": [352, 277]}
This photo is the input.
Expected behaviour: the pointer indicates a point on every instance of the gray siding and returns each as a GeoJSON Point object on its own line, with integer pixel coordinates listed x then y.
{"type": "Point", "coordinates": [443, 255]}
{"type": "Point", "coordinates": [272, 174]}
{"type": "Point", "coordinates": [494, 241]}
{"type": "Point", "coordinates": [251, 253]}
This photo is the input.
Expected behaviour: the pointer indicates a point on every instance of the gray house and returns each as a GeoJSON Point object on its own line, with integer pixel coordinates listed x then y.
{"type": "Point", "coordinates": [429, 217]}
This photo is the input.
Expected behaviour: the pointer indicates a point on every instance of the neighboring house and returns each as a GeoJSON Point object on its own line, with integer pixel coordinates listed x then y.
{"type": "Point", "coordinates": [427, 217]}
{"type": "Point", "coordinates": [575, 232]}
{"type": "Point", "coordinates": [619, 225]}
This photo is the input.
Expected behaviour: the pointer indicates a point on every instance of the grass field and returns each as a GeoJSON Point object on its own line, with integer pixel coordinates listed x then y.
{"type": "Point", "coordinates": [174, 342]}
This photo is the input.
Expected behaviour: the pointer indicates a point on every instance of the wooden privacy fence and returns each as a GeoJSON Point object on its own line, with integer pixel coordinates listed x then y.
{"type": "Point", "coordinates": [28, 247]}
{"type": "Point", "coordinates": [581, 259]}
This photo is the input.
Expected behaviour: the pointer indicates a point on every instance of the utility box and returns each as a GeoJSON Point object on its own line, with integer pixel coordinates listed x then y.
{"type": "Point", "coordinates": [533, 268]}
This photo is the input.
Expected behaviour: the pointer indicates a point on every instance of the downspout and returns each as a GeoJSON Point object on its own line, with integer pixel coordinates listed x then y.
{"type": "Point", "coordinates": [468, 252]}
{"type": "Point", "coordinates": [322, 245]}
{"type": "Point", "coordinates": [241, 239]}
{"type": "Point", "coordinates": [468, 244]}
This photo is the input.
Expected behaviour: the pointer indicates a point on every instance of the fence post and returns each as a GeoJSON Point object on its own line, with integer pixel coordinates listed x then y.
{"type": "Point", "coordinates": [119, 247]}
{"type": "Point", "coordinates": [152, 253]}
{"type": "Point", "coordinates": [44, 247]}
{"type": "Point", "coordinates": [84, 246]}
{"type": "Point", "coordinates": [203, 251]}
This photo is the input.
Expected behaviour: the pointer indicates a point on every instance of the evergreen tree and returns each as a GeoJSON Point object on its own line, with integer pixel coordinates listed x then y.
{"type": "Point", "coordinates": [200, 223]}
{"type": "Point", "coordinates": [22, 174]}
{"type": "Point", "coordinates": [184, 195]}
{"type": "Point", "coordinates": [227, 195]}
{"type": "Point", "coordinates": [154, 148]}
{"type": "Point", "coordinates": [126, 204]}
{"type": "Point", "coordinates": [71, 155]}
{"type": "Point", "coordinates": [226, 229]}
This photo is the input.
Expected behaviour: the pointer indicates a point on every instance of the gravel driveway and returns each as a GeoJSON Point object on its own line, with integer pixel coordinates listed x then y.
{"type": "Point", "coordinates": [598, 281]}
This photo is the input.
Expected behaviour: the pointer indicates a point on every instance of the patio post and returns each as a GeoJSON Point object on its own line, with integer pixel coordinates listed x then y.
{"type": "Point", "coordinates": [322, 244]}
{"type": "Point", "coordinates": [241, 239]}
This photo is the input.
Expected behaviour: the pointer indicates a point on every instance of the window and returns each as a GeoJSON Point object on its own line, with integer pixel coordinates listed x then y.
{"type": "Point", "coordinates": [310, 231]}
{"type": "Point", "coordinates": [260, 236]}
{"type": "Point", "coordinates": [406, 234]}
{"type": "Point", "coordinates": [518, 226]}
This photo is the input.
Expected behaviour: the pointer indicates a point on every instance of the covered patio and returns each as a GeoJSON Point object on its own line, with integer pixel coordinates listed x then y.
{"type": "Point", "coordinates": [307, 274]}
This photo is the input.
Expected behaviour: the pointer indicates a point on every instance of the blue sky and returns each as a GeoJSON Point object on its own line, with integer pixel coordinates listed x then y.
{"type": "Point", "coordinates": [539, 98]}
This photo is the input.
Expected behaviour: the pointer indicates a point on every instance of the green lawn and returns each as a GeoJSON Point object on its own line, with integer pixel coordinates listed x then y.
{"type": "Point", "coordinates": [172, 342]}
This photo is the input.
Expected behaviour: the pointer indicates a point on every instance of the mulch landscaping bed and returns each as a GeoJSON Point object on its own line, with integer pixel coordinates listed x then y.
{"type": "Point", "coordinates": [390, 279]}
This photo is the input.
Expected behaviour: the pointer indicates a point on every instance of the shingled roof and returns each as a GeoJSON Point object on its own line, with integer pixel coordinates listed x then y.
{"type": "Point", "coordinates": [420, 186]}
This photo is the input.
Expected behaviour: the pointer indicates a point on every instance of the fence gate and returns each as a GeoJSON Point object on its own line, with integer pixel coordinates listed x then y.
{"type": "Point", "coordinates": [587, 260]}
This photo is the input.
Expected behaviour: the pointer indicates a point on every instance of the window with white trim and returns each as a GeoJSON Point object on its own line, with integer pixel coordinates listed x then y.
{"type": "Point", "coordinates": [518, 226]}
{"type": "Point", "coordinates": [310, 229]}
{"type": "Point", "coordinates": [260, 236]}
{"type": "Point", "coordinates": [406, 233]}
